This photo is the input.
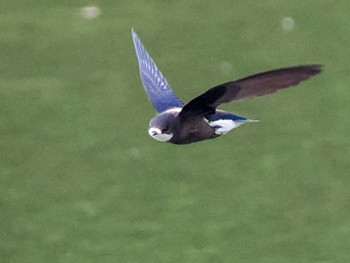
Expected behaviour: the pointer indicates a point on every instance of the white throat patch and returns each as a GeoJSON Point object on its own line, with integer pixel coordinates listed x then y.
{"type": "Point", "coordinates": [157, 134]}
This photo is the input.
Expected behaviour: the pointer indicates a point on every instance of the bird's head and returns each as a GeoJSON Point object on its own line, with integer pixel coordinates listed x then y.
{"type": "Point", "coordinates": [161, 127]}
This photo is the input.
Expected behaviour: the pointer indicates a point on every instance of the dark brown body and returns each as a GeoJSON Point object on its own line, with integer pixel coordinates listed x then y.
{"type": "Point", "coordinates": [193, 130]}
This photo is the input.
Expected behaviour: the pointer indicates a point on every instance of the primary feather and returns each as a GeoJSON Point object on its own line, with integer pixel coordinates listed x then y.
{"type": "Point", "coordinates": [252, 86]}
{"type": "Point", "coordinates": [158, 90]}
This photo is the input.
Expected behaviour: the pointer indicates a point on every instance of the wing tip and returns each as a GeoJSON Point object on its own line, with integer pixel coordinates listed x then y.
{"type": "Point", "coordinates": [309, 69]}
{"type": "Point", "coordinates": [133, 33]}
{"type": "Point", "coordinates": [314, 69]}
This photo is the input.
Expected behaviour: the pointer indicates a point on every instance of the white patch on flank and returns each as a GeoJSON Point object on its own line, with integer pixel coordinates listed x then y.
{"type": "Point", "coordinates": [224, 126]}
{"type": "Point", "coordinates": [157, 134]}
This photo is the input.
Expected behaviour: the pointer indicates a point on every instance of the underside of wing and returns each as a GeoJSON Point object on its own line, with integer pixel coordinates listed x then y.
{"type": "Point", "coordinates": [252, 86]}
{"type": "Point", "coordinates": [266, 82]}
{"type": "Point", "coordinates": [158, 90]}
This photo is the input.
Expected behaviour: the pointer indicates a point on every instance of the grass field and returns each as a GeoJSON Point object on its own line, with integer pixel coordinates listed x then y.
{"type": "Point", "coordinates": [81, 180]}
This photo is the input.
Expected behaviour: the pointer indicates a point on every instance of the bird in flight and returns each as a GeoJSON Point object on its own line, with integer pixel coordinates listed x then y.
{"type": "Point", "coordinates": [199, 119]}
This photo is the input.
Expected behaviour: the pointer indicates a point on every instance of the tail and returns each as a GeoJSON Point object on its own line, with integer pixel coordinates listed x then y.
{"type": "Point", "coordinates": [248, 120]}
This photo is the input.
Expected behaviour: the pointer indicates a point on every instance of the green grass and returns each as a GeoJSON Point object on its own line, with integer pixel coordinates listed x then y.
{"type": "Point", "coordinates": [81, 180]}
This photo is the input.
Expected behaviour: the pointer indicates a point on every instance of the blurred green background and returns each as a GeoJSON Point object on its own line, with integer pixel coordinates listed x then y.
{"type": "Point", "coordinates": [81, 180]}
